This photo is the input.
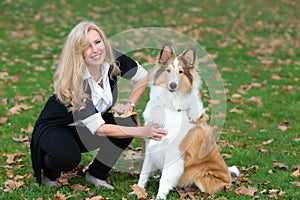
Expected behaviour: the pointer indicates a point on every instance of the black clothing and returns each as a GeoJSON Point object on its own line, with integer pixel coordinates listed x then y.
{"type": "Point", "coordinates": [57, 147]}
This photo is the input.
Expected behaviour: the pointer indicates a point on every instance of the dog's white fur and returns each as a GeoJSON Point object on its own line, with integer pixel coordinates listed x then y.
{"type": "Point", "coordinates": [174, 102]}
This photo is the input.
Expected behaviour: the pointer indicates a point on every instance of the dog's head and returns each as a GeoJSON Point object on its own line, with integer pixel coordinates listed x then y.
{"type": "Point", "coordinates": [176, 73]}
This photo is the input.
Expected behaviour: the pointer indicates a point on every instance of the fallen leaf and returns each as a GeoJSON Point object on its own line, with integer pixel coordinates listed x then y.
{"type": "Point", "coordinates": [16, 108]}
{"type": "Point", "coordinates": [40, 69]}
{"type": "Point", "coordinates": [37, 98]}
{"type": "Point", "coordinates": [78, 187]}
{"type": "Point", "coordinates": [283, 128]}
{"type": "Point", "coordinates": [29, 129]}
{"type": "Point", "coordinates": [20, 98]}
{"type": "Point", "coordinates": [269, 141]}
{"type": "Point", "coordinates": [59, 196]}
{"type": "Point", "coordinates": [11, 185]}
{"type": "Point", "coordinates": [246, 191]}
{"type": "Point", "coordinates": [296, 173]}
{"type": "Point", "coordinates": [235, 110]}
{"type": "Point", "coordinates": [296, 183]}
{"type": "Point", "coordinates": [140, 192]}
{"type": "Point", "coordinates": [10, 174]}
{"type": "Point", "coordinates": [21, 138]}
{"type": "Point", "coordinates": [263, 150]}
{"type": "Point", "coordinates": [276, 77]}
{"type": "Point", "coordinates": [279, 165]}
{"type": "Point", "coordinates": [236, 96]}
{"type": "Point", "coordinates": [96, 198]}
{"type": "Point", "coordinates": [271, 171]}
{"type": "Point", "coordinates": [3, 120]}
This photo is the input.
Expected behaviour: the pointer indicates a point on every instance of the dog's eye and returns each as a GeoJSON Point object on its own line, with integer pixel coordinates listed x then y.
{"type": "Point", "coordinates": [168, 70]}
{"type": "Point", "coordinates": [180, 72]}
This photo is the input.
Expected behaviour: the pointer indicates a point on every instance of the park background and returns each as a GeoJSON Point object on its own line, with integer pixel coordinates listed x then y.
{"type": "Point", "coordinates": [255, 45]}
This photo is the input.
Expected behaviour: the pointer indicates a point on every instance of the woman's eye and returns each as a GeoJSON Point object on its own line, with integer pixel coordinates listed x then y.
{"type": "Point", "coordinates": [98, 42]}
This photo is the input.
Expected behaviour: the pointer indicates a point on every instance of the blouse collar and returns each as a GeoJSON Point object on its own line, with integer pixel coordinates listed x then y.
{"type": "Point", "coordinates": [105, 68]}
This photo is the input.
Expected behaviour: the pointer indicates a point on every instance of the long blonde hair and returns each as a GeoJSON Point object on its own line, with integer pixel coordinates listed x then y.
{"type": "Point", "coordinates": [68, 78]}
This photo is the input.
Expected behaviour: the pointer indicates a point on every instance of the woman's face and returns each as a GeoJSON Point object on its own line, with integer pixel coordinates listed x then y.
{"type": "Point", "coordinates": [94, 55]}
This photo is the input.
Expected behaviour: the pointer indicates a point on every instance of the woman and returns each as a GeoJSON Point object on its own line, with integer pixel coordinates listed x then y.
{"type": "Point", "coordinates": [77, 117]}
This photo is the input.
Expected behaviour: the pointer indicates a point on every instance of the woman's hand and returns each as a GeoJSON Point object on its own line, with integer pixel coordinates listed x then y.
{"type": "Point", "coordinates": [154, 131]}
{"type": "Point", "coordinates": [122, 108]}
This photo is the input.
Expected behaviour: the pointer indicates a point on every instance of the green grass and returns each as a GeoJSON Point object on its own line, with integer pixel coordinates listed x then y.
{"type": "Point", "coordinates": [254, 39]}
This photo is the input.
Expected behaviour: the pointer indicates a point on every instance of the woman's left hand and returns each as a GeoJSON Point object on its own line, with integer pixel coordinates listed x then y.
{"type": "Point", "coordinates": [121, 108]}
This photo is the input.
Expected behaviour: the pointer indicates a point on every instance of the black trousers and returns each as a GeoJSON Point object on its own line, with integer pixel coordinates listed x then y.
{"type": "Point", "coordinates": [62, 148]}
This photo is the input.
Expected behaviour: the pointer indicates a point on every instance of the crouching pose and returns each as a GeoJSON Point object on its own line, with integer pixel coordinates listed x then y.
{"type": "Point", "coordinates": [79, 116]}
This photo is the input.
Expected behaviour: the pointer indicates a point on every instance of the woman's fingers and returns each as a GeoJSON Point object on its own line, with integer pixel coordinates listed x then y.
{"type": "Point", "coordinates": [120, 108]}
{"type": "Point", "coordinates": [157, 131]}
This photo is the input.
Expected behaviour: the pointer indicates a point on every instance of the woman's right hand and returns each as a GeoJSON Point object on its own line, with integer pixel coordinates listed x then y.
{"type": "Point", "coordinates": [154, 131]}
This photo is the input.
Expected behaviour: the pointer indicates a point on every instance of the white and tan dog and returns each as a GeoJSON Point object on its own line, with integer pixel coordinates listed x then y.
{"type": "Point", "coordinates": [174, 102]}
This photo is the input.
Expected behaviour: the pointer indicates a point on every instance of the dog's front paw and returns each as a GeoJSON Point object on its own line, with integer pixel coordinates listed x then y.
{"type": "Point", "coordinates": [161, 197]}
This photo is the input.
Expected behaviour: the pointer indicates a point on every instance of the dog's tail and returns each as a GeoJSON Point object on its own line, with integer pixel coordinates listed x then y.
{"type": "Point", "coordinates": [234, 172]}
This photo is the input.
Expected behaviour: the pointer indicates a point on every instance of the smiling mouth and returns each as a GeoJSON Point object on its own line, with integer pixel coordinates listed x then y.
{"type": "Point", "coordinates": [96, 56]}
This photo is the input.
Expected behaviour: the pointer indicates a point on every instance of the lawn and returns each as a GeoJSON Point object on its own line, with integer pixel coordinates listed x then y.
{"type": "Point", "coordinates": [254, 45]}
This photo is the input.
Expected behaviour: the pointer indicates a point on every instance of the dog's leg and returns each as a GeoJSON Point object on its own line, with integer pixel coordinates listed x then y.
{"type": "Point", "coordinates": [147, 168]}
{"type": "Point", "coordinates": [169, 178]}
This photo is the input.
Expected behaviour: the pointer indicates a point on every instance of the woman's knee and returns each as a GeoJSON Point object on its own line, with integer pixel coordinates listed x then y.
{"type": "Point", "coordinates": [62, 161]}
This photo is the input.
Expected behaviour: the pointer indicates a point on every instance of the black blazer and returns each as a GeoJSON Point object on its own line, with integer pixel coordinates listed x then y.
{"type": "Point", "coordinates": [56, 114]}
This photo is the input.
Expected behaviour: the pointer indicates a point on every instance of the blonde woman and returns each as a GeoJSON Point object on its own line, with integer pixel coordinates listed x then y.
{"type": "Point", "coordinates": [77, 118]}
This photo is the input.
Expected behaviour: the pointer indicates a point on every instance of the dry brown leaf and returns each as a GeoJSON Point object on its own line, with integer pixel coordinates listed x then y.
{"type": "Point", "coordinates": [271, 171]}
{"type": "Point", "coordinates": [16, 108]}
{"type": "Point", "coordinates": [10, 174]}
{"type": "Point", "coordinates": [140, 192]}
{"type": "Point", "coordinates": [3, 120]}
{"type": "Point", "coordinates": [296, 183]}
{"type": "Point", "coordinates": [28, 130]}
{"type": "Point", "coordinates": [192, 194]}
{"type": "Point", "coordinates": [235, 110]}
{"type": "Point", "coordinates": [297, 139]}
{"type": "Point", "coordinates": [279, 165]}
{"type": "Point", "coordinates": [246, 191]}
{"type": "Point", "coordinates": [296, 173]}
{"type": "Point", "coordinates": [263, 150]}
{"type": "Point", "coordinates": [226, 155]}
{"type": "Point", "coordinates": [269, 141]}
{"type": "Point", "coordinates": [21, 138]}
{"type": "Point", "coordinates": [37, 98]}
{"type": "Point", "coordinates": [59, 196]}
{"type": "Point", "coordinates": [96, 198]}
{"type": "Point", "coordinates": [283, 128]}
{"type": "Point", "coordinates": [40, 68]}
{"type": "Point", "coordinates": [11, 185]}
{"type": "Point", "coordinates": [236, 96]}
{"type": "Point", "coordinates": [276, 77]}
{"type": "Point", "coordinates": [78, 187]}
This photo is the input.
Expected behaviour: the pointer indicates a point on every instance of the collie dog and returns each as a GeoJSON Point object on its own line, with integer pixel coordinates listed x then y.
{"type": "Point", "coordinates": [204, 166]}
{"type": "Point", "coordinates": [174, 102]}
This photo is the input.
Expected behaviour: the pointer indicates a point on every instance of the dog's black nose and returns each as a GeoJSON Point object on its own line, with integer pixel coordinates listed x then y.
{"type": "Point", "coordinates": [173, 86]}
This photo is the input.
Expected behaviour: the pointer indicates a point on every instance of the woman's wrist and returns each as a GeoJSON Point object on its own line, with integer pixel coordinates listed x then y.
{"type": "Point", "coordinates": [131, 104]}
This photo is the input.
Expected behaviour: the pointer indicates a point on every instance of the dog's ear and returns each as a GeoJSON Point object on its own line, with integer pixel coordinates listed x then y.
{"type": "Point", "coordinates": [189, 56]}
{"type": "Point", "coordinates": [165, 54]}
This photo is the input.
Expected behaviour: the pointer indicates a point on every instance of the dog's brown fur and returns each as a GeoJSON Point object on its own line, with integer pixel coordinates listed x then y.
{"type": "Point", "coordinates": [204, 165]}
